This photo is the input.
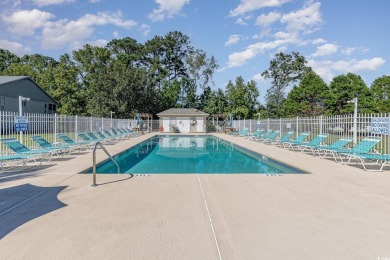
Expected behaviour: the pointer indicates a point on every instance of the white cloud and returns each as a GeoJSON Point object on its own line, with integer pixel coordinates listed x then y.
{"type": "Point", "coordinates": [25, 22]}
{"type": "Point", "coordinates": [51, 2]}
{"type": "Point", "coordinates": [238, 59]}
{"type": "Point", "coordinates": [307, 19]}
{"type": "Point", "coordinates": [241, 21]}
{"type": "Point", "coordinates": [318, 41]}
{"type": "Point", "coordinates": [115, 34]}
{"type": "Point", "coordinates": [371, 64]}
{"type": "Point", "coordinates": [145, 29]}
{"type": "Point", "coordinates": [232, 39]}
{"type": "Point", "coordinates": [167, 9]}
{"type": "Point", "coordinates": [329, 69]}
{"type": "Point", "coordinates": [258, 78]}
{"type": "Point", "coordinates": [325, 50]}
{"type": "Point", "coordinates": [99, 43]}
{"type": "Point", "coordinates": [246, 6]}
{"type": "Point", "coordinates": [288, 36]}
{"type": "Point", "coordinates": [64, 32]}
{"type": "Point", "coordinates": [14, 47]}
{"type": "Point", "coordinates": [348, 51]}
{"type": "Point", "coordinates": [266, 20]}
{"type": "Point", "coordinates": [12, 3]}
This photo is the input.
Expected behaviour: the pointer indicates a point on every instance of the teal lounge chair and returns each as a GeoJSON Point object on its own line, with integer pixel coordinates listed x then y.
{"type": "Point", "coordinates": [256, 134]}
{"type": "Point", "coordinates": [362, 148]}
{"type": "Point", "coordinates": [112, 135]}
{"type": "Point", "coordinates": [102, 136]}
{"type": "Point", "coordinates": [7, 159]}
{"type": "Point", "coordinates": [284, 138]}
{"type": "Point", "coordinates": [245, 132]}
{"type": "Point", "coordinates": [271, 137]}
{"type": "Point", "coordinates": [43, 143]}
{"type": "Point", "coordinates": [339, 144]}
{"type": "Point", "coordinates": [97, 139]}
{"type": "Point", "coordinates": [369, 159]}
{"type": "Point", "coordinates": [70, 141]}
{"type": "Point", "coordinates": [85, 138]}
{"type": "Point", "coordinates": [263, 136]}
{"type": "Point", "coordinates": [299, 140]}
{"type": "Point", "coordinates": [312, 144]}
{"type": "Point", "coordinates": [240, 132]}
{"type": "Point", "coordinates": [117, 133]}
{"type": "Point", "coordinates": [22, 150]}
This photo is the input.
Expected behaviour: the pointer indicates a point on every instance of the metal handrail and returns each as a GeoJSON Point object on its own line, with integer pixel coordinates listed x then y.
{"type": "Point", "coordinates": [94, 161]}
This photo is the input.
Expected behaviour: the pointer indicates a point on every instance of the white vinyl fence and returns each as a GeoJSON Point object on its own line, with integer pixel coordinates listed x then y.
{"type": "Point", "coordinates": [50, 125]}
{"type": "Point", "coordinates": [367, 125]}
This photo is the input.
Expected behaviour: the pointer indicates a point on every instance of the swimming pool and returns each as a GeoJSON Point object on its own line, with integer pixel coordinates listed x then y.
{"type": "Point", "coordinates": [191, 154]}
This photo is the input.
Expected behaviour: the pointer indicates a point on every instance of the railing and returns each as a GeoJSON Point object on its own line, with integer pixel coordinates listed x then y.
{"type": "Point", "coordinates": [339, 126]}
{"type": "Point", "coordinates": [94, 161]}
{"type": "Point", "coordinates": [50, 125]}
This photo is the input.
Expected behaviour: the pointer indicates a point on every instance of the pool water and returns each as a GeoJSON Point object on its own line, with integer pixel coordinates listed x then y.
{"type": "Point", "coordinates": [191, 154]}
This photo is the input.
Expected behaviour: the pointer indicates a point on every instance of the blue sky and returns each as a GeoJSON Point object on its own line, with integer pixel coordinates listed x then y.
{"type": "Point", "coordinates": [336, 37]}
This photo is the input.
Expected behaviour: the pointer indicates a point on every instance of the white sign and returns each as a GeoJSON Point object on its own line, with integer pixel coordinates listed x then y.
{"type": "Point", "coordinates": [288, 125]}
{"type": "Point", "coordinates": [380, 125]}
{"type": "Point", "coordinates": [21, 120]}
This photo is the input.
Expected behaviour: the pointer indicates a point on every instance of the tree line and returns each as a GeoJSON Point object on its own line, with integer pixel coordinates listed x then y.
{"type": "Point", "coordinates": [128, 77]}
{"type": "Point", "coordinates": [311, 96]}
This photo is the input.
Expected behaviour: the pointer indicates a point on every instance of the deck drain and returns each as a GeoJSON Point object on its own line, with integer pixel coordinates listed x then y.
{"type": "Point", "coordinates": [142, 175]}
{"type": "Point", "coordinates": [271, 174]}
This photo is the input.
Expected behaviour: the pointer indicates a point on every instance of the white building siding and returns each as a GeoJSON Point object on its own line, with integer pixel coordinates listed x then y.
{"type": "Point", "coordinates": [199, 124]}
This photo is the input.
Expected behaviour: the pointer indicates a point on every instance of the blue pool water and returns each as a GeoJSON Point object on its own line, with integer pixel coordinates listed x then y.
{"type": "Point", "coordinates": [191, 154]}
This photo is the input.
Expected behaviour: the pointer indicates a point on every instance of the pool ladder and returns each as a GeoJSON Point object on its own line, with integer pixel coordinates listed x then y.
{"type": "Point", "coordinates": [94, 161]}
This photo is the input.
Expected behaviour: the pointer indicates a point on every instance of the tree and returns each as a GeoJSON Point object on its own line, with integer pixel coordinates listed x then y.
{"type": "Point", "coordinates": [200, 71]}
{"type": "Point", "coordinates": [176, 47]}
{"type": "Point", "coordinates": [66, 89]}
{"type": "Point", "coordinates": [381, 92]}
{"type": "Point", "coordinates": [18, 69]}
{"type": "Point", "coordinates": [307, 99]}
{"type": "Point", "coordinates": [344, 88]}
{"type": "Point", "coordinates": [216, 103]}
{"type": "Point", "coordinates": [126, 50]}
{"type": "Point", "coordinates": [6, 59]}
{"type": "Point", "coordinates": [124, 76]}
{"type": "Point", "coordinates": [283, 70]}
{"type": "Point", "coordinates": [242, 98]}
{"type": "Point", "coordinates": [170, 94]}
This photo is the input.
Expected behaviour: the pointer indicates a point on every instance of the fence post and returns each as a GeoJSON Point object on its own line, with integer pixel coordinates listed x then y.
{"type": "Point", "coordinates": [267, 124]}
{"type": "Point", "coordinates": [55, 127]}
{"type": "Point", "coordinates": [75, 126]}
{"type": "Point", "coordinates": [297, 126]}
{"type": "Point", "coordinates": [280, 126]}
{"type": "Point", "coordinates": [90, 124]}
{"type": "Point", "coordinates": [102, 123]}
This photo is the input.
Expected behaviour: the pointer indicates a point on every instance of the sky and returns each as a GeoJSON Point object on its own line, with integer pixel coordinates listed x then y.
{"type": "Point", "coordinates": [335, 36]}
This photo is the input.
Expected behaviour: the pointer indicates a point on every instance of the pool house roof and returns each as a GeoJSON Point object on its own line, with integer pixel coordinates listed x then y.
{"type": "Point", "coordinates": [182, 112]}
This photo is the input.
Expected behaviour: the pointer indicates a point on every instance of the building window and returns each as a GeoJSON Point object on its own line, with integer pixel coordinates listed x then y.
{"type": "Point", "coordinates": [2, 103]}
{"type": "Point", "coordinates": [24, 103]}
{"type": "Point", "coordinates": [45, 108]}
{"type": "Point", "coordinates": [52, 108]}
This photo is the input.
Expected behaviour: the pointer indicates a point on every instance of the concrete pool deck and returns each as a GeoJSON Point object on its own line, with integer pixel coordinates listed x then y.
{"type": "Point", "coordinates": [335, 212]}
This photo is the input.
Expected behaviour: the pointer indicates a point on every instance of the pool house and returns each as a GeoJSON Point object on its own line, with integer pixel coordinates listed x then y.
{"type": "Point", "coordinates": [183, 120]}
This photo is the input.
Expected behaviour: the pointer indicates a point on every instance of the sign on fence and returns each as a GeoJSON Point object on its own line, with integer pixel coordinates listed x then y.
{"type": "Point", "coordinates": [380, 125]}
{"type": "Point", "coordinates": [21, 123]}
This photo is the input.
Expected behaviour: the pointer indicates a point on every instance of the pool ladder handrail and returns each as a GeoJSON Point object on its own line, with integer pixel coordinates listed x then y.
{"type": "Point", "coordinates": [94, 161]}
